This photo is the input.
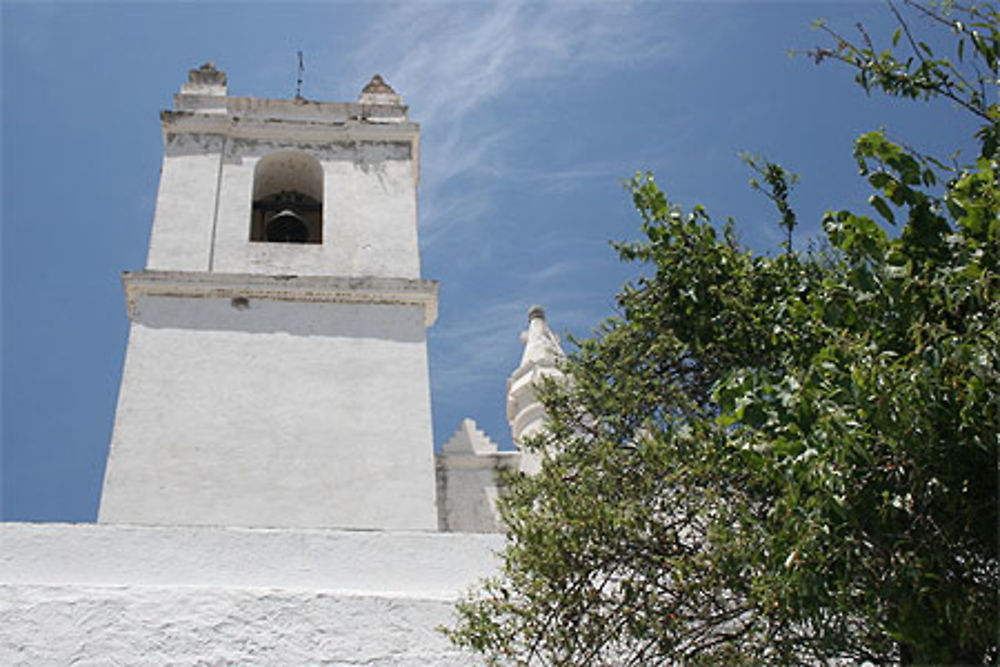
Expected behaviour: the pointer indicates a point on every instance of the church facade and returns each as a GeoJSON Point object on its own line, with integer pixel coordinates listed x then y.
{"type": "Point", "coordinates": [272, 493]}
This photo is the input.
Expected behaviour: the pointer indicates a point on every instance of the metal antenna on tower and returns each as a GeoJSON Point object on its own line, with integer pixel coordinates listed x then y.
{"type": "Point", "coordinates": [298, 83]}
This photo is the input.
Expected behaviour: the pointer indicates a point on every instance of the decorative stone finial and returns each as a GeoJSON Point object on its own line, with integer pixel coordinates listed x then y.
{"type": "Point", "coordinates": [207, 75]}
{"type": "Point", "coordinates": [377, 91]}
{"type": "Point", "coordinates": [377, 85]}
{"type": "Point", "coordinates": [206, 80]}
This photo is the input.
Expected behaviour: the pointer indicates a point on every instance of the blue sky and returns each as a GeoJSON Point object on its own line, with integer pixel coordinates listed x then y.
{"type": "Point", "coordinates": [531, 115]}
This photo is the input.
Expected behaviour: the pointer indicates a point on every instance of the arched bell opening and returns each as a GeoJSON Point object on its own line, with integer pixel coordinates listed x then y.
{"type": "Point", "coordinates": [287, 199]}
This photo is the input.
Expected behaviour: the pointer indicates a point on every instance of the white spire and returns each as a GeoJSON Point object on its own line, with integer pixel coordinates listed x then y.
{"type": "Point", "coordinates": [541, 343]}
{"type": "Point", "coordinates": [541, 357]}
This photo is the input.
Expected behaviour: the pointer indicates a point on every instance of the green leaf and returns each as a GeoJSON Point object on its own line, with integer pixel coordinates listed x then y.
{"type": "Point", "coordinates": [882, 208]}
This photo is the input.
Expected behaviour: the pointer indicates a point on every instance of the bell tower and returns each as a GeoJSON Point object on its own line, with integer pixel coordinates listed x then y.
{"type": "Point", "coordinates": [276, 372]}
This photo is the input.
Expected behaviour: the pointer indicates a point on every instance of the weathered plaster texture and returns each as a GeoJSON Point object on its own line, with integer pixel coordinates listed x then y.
{"type": "Point", "coordinates": [59, 625]}
{"type": "Point", "coordinates": [97, 595]}
{"type": "Point", "coordinates": [368, 186]}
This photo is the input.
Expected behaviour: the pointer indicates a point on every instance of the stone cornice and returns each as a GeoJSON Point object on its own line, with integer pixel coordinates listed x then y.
{"type": "Point", "coordinates": [278, 109]}
{"type": "Point", "coordinates": [323, 289]}
{"type": "Point", "coordinates": [297, 129]}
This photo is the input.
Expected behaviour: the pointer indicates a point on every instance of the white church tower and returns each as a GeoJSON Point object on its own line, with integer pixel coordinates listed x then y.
{"type": "Point", "coordinates": [276, 372]}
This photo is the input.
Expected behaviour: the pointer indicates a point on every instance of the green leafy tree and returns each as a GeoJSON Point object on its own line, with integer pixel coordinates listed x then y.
{"type": "Point", "coordinates": [782, 459]}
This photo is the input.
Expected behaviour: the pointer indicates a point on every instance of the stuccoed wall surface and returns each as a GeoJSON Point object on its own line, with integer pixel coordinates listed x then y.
{"type": "Point", "coordinates": [181, 238]}
{"type": "Point", "coordinates": [96, 595]}
{"type": "Point", "coordinates": [107, 626]}
{"type": "Point", "coordinates": [273, 413]}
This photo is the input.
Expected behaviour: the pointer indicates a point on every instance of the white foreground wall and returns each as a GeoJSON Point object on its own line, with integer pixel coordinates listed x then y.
{"type": "Point", "coordinates": [99, 594]}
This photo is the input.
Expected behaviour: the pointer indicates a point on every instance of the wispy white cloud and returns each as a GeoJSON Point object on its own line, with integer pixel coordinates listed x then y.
{"type": "Point", "coordinates": [451, 60]}
{"type": "Point", "coordinates": [466, 342]}
{"type": "Point", "coordinates": [567, 179]}
{"type": "Point", "coordinates": [449, 211]}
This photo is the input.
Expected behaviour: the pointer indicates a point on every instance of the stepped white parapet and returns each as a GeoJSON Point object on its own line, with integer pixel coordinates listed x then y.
{"type": "Point", "coordinates": [468, 439]}
{"type": "Point", "coordinates": [468, 470]}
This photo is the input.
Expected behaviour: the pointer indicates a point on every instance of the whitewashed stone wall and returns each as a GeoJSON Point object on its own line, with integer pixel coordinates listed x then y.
{"type": "Point", "coordinates": [99, 595]}
{"type": "Point", "coordinates": [268, 412]}
{"type": "Point", "coordinates": [47, 625]}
